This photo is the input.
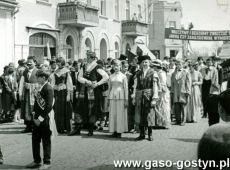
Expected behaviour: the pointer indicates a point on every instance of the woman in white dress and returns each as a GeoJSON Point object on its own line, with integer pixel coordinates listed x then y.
{"type": "Point", "coordinates": [118, 101]}
{"type": "Point", "coordinates": [194, 114]}
{"type": "Point", "coordinates": [164, 118]}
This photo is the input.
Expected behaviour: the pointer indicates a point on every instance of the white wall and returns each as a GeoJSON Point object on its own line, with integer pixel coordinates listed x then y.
{"type": "Point", "coordinates": [6, 39]}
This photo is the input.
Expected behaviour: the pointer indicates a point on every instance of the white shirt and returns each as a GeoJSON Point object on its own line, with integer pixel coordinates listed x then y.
{"type": "Point", "coordinates": [145, 71]}
{"type": "Point", "coordinates": [30, 72]}
{"type": "Point", "coordinates": [90, 67]}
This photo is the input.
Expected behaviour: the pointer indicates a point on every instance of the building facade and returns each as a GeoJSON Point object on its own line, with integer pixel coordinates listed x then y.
{"type": "Point", "coordinates": [164, 15]}
{"type": "Point", "coordinates": [8, 9]}
{"type": "Point", "coordinates": [68, 28]}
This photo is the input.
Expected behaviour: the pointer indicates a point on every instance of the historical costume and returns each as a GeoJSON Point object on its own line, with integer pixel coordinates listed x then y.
{"type": "Point", "coordinates": [91, 77]}
{"type": "Point", "coordinates": [9, 94]}
{"type": "Point", "coordinates": [164, 118]}
{"type": "Point", "coordinates": [118, 95]}
{"type": "Point", "coordinates": [43, 122]}
{"type": "Point", "coordinates": [63, 87]}
{"type": "Point", "coordinates": [28, 85]}
{"type": "Point", "coordinates": [181, 89]}
{"type": "Point", "coordinates": [194, 114]}
{"type": "Point", "coordinates": [145, 97]}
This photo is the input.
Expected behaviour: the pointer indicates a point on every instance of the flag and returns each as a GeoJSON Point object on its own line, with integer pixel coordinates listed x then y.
{"type": "Point", "coordinates": [48, 51]}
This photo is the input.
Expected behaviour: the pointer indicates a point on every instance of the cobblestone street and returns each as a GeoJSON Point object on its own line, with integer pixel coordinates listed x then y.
{"type": "Point", "coordinates": [99, 151]}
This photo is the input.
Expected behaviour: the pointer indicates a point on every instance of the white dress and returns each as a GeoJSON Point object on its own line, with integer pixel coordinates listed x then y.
{"type": "Point", "coordinates": [118, 93]}
{"type": "Point", "coordinates": [164, 118]}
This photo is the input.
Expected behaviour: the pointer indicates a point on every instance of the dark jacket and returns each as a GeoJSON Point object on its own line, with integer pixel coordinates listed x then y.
{"type": "Point", "coordinates": [44, 102]}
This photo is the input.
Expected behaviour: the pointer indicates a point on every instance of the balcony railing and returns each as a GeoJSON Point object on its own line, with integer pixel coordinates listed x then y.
{"type": "Point", "coordinates": [134, 28]}
{"type": "Point", "coordinates": [78, 14]}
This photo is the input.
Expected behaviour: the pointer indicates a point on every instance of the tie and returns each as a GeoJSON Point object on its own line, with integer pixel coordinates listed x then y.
{"type": "Point", "coordinates": [207, 70]}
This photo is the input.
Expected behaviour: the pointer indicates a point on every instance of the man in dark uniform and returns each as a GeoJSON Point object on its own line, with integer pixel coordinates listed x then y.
{"type": "Point", "coordinates": [42, 131]}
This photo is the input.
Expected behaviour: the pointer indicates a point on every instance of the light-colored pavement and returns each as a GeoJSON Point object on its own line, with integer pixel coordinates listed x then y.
{"type": "Point", "coordinates": [99, 151]}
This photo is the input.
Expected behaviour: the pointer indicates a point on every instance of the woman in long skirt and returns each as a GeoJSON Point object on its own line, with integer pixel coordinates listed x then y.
{"type": "Point", "coordinates": [194, 111]}
{"type": "Point", "coordinates": [118, 101]}
{"type": "Point", "coordinates": [63, 87]}
{"type": "Point", "coordinates": [9, 89]}
{"type": "Point", "coordinates": [164, 102]}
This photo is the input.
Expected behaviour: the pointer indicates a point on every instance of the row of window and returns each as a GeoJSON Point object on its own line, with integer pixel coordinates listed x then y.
{"type": "Point", "coordinates": [103, 11]}
{"type": "Point", "coordinates": [116, 10]}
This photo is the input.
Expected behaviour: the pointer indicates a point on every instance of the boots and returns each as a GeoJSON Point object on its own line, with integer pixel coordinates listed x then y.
{"type": "Point", "coordinates": [142, 133]}
{"type": "Point", "coordinates": [150, 134]}
{"type": "Point", "coordinates": [76, 131]}
{"type": "Point", "coordinates": [90, 133]}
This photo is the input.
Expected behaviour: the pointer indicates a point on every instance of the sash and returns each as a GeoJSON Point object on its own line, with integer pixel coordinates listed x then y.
{"type": "Point", "coordinates": [52, 124]}
{"type": "Point", "coordinates": [41, 102]}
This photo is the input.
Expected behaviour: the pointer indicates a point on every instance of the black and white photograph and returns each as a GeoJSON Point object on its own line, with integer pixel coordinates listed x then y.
{"type": "Point", "coordinates": [115, 84]}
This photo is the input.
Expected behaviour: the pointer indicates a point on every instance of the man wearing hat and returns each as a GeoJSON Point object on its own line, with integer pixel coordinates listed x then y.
{"type": "Point", "coordinates": [145, 96]}
{"type": "Point", "coordinates": [91, 76]}
{"type": "Point", "coordinates": [123, 57]}
{"type": "Point", "coordinates": [180, 89]}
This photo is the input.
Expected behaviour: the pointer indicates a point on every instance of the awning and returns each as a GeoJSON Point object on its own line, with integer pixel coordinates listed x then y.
{"type": "Point", "coordinates": [42, 29]}
{"type": "Point", "coordinates": [144, 49]}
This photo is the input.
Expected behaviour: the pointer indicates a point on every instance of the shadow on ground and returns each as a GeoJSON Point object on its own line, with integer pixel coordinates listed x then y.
{"type": "Point", "coordinates": [108, 137]}
{"type": "Point", "coordinates": [5, 166]}
{"type": "Point", "coordinates": [187, 140]}
{"type": "Point", "coordinates": [10, 132]}
{"type": "Point", "coordinates": [8, 128]}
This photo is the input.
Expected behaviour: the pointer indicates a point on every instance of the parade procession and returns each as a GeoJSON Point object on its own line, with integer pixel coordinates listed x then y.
{"type": "Point", "coordinates": [101, 86]}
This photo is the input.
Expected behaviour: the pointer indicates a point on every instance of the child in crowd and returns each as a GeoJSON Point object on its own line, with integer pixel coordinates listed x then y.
{"type": "Point", "coordinates": [42, 121]}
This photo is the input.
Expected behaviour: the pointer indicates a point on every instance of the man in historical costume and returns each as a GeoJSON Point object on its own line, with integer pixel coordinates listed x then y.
{"type": "Point", "coordinates": [27, 86]}
{"type": "Point", "coordinates": [74, 74]}
{"type": "Point", "coordinates": [145, 95]}
{"type": "Point", "coordinates": [181, 89]}
{"type": "Point", "coordinates": [43, 119]}
{"type": "Point", "coordinates": [92, 77]}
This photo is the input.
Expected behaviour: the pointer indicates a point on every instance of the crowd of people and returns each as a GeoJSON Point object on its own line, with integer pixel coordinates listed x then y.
{"type": "Point", "coordinates": [134, 97]}
{"type": "Point", "coordinates": [127, 97]}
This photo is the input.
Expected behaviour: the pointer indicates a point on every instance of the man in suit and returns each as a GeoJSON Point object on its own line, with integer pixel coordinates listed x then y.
{"type": "Point", "coordinates": [180, 89]}
{"type": "Point", "coordinates": [42, 131]}
{"type": "Point", "coordinates": [213, 97]}
{"type": "Point", "coordinates": [27, 85]}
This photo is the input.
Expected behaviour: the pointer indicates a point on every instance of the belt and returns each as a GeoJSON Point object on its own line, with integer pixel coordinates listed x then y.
{"type": "Point", "coordinates": [60, 87]}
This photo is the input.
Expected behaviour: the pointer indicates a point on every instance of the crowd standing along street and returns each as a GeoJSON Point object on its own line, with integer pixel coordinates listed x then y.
{"type": "Point", "coordinates": [97, 82]}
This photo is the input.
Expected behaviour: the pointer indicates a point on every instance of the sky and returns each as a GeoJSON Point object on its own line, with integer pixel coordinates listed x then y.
{"type": "Point", "coordinates": [205, 15]}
